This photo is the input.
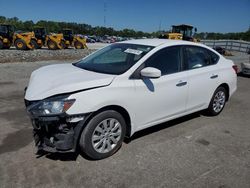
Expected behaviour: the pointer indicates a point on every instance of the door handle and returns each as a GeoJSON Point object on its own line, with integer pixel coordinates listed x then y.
{"type": "Point", "coordinates": [181, 83]}
{"type": "Point", "coordinates": [214, 76]}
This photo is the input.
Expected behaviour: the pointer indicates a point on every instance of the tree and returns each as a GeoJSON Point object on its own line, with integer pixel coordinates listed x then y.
{"type": "Point", "coordinates": [2, 19]}
{"type": "Point", "coordinates": [28, 25]}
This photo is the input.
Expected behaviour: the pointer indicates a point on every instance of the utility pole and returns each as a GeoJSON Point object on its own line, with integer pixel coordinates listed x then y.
{"type": "Point", "coordinates": [104, 13]}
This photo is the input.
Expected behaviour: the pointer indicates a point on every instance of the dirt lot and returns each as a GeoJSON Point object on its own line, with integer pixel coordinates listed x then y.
{"type": "Point", "coordinates": [13, 55]}
{"type": "Point", "coordinates": [194, 151]}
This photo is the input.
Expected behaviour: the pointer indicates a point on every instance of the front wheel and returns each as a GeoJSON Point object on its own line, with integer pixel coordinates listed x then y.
{"type": "Point", "coordinates": [78, 45]}
{"type": "Point", "coordinates": [103, 135]}
{"type": "Point", "coordinates": [20, 44]}
{"type": "Point", "coordinates": [217, 102]}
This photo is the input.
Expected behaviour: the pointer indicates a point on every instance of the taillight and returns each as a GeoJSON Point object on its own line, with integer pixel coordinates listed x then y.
{"type": "Point", "coordinates": [235, 67]}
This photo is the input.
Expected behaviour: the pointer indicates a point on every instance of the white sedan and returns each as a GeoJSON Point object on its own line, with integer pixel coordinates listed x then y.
{"type": "Point", "coordinates": [124, 88]}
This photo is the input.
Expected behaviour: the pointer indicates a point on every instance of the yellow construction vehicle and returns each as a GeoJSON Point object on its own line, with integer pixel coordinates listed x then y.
{"type": "Point", "coordinates": [181, 32]}
{"type": "Point", "coordinates": [78, 41]}
{"type": "Point", "coordinates": [6, 36]}
{"type": "Point", "coordinates": [39, 37]}
{"type": "Point", "coordinates": [53, 41]}
{"type": "Point", "coordinates": [57, 41]}
{"type": "Point", "coordinates": [22, 41]}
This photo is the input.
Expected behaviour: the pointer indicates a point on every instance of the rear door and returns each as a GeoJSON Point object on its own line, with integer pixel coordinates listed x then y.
{"type": "Point", "coordinates": [203, 75]}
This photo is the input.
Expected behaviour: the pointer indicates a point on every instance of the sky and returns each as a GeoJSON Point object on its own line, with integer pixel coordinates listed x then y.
{"type": "Point", "coordinates": [145, 15]}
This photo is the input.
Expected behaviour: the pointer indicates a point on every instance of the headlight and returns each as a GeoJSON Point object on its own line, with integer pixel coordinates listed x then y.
{"type": "Point", "coordinates": [51, 106]}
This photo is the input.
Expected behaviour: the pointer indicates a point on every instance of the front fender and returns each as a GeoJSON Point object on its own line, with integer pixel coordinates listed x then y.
{"type": "Point", "coordinates": [95, 99]}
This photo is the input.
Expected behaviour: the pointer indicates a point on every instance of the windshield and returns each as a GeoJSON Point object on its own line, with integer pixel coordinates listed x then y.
{"type": "Point", "coordinates": [188, 32]}
{"type": "Point", "coordinates": [114, 59]}
{"type": "Point", "coordinates": [185, 31]}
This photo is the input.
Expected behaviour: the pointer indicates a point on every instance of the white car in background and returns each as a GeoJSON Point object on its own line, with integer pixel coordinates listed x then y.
{"type": "Point", "coordinates": [124, 88]}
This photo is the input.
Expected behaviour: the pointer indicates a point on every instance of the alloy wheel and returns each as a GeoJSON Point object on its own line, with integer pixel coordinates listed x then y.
{"type": "Point", "coordinates": [219, 101]}
{"type": "Point", "coordinates": [106, 135]}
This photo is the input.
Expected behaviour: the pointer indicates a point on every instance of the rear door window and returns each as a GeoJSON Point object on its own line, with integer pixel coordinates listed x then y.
{"type": "Point", "coordinates": [197, 57]}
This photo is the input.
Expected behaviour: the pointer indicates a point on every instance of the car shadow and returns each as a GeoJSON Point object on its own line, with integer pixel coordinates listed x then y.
{"type": "Point", "coordinates": [62, 156]}
{"type": "Point", "coordinates": [137, 135]}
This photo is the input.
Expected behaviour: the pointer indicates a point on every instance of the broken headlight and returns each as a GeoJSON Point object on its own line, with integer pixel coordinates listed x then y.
{"type": "Point", "coordinates": [52, 106]}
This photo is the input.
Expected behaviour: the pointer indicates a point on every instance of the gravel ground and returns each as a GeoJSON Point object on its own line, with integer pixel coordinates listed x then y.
{"type": "Point", "coordinates": [13, 55]}
{"type": "Point", "coordinates": [193, 151]}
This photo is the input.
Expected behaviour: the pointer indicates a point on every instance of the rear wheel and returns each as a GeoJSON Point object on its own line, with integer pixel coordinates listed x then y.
{"type": "Point", "coordinates": [34, 43]}
{"type": "Point", "coordinates": [20, 44]}
{"type": "Point", "coordinates": [217, 102]}
{"type": "Point", "coordinates": [103, 135]}
{"type": "Point", "coordinates": [78, 45]}
{"type": "Point", "coordinates": [52, 45]}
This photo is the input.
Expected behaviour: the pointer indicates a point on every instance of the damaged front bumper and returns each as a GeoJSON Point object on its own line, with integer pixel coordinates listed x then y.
{"type": "Point", "coordinates": [58, 133]}
{"type": "Point", "coordinates": [55, 134]}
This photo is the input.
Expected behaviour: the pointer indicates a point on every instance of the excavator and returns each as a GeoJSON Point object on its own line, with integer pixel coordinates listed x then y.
{"type": "Point", "coordinates": [181, 32]}
{"type": "Point", "coordinates": [8, 37]}
{"type": "Point", "coordinates": [78, 41]}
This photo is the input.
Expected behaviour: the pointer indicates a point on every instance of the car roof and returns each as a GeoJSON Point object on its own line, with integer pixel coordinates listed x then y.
{"type": "Point", "coordinates": [158, 42]}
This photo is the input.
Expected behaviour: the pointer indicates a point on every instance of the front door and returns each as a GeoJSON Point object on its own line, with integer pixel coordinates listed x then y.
{"type": "Point", "coordinates": [163, 98]}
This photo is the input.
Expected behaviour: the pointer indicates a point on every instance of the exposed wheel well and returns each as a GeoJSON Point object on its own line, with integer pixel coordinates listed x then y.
{"type": "Point", "coordinates": [227, 89]}
{"type": "Point", "coordinates": [122, 111]}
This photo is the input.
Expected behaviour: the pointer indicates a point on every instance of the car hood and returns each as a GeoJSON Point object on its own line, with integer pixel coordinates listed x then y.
{"type": "Point", "coordinates": [63, 78]}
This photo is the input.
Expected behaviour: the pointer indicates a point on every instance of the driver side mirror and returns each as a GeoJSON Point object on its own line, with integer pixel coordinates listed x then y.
{"type": "Point", "coordinates": [150, 72]}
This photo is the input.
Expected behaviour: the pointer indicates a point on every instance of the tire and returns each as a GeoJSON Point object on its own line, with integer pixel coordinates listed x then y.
{"type": "Point", "coordinates": [51, 45]}
{"type": "Point", "coordinates": [98, 144]}
{"type": "Point", "coordinates": [217, 102]}
{"type": "Point", "coordinates": [78, 45]}
{"type": "Point", "coordinates": [1, 44]}
{"type": "Point", "coordinates": [20, 44]}
{"type": "Point", "coordinates": [34, 43]}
